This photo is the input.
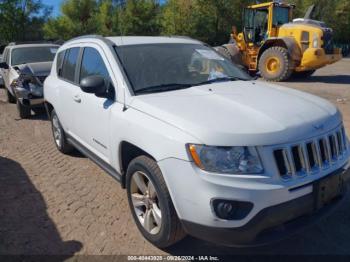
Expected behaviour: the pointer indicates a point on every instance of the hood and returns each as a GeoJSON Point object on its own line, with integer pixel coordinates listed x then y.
{"type": "Point", "coordinates": [242, 113]}
{"type": "Point", "coordinates": [35, 69]}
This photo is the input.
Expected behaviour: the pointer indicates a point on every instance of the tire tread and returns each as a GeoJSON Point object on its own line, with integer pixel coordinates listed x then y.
{"type": "Point", "coordinates": [177, 233]}
{"type": "Point", "coordinates": [288, 69]}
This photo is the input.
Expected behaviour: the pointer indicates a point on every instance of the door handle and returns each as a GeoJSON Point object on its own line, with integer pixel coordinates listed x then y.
{"type": "Point", "coordinates": [77, 99]}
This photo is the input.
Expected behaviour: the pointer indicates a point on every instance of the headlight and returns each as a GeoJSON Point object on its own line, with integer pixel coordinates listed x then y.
{"type": "Point", "coordinates": [315, 42]}
{"type": "Point", "coordinates": [226, 160]}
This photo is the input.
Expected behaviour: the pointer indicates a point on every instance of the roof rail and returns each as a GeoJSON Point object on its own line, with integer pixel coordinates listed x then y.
{"type": "Point", "coordinates": [181, 36]}
{"type": "Point", "coordinates": [86, 36]}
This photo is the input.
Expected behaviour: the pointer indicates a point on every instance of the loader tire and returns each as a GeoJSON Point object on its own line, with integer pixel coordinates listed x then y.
{"type": "Point", "coordinates": [275, 65]}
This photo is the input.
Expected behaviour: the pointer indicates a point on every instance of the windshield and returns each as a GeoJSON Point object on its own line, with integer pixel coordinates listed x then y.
{"type": "Point", "coordinates": [164, 67]}
{"type": "Point", "coordinates": [25, 55]}
{"type": "Point", "coordinates": [254, 18]}
{"type": "Point", "coordinates": [280, 15]}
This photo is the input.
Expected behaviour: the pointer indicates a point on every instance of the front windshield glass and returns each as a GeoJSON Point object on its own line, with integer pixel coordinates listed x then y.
{"type": "Point", "coordinates": [164, 67]}
{"type": "Point", "coordinates": [25, 55]}
{"type": "Point", "coordinates": [280, 15]}
{"type": "Point", "coordinates": [256, 18]}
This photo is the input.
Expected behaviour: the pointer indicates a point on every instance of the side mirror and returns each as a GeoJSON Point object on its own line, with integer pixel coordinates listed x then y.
{"type": "Point", "coordinates": [97, 85]}
{"type": "Point", "coordinates": [93, 85]}
{"type": "Point", "coordinates": [4, 65]}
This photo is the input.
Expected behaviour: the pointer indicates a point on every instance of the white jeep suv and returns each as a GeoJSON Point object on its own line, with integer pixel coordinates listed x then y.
{"type": "Point", "coordinates": [200, 148]}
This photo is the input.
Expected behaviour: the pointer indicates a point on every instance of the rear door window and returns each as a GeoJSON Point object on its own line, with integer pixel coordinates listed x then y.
{"type": "Point", "coordinates": [70, 64]}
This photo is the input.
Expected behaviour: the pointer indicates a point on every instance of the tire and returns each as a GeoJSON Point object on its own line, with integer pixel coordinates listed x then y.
{"type": "Point", "coordinates": [10, 98]}
{"type": "Point", "coordinates": [275, 65]}
{"type": "Point", "coordinates": [24, 112]}
{"type": "Point", "coordinates": [169, 230]}
{"type": "Point", "coordinates": [39, 110]}
{"type": "Point", "coordinates": [59, 135]}
{"type": "Point", "coordinates": [304, 74]}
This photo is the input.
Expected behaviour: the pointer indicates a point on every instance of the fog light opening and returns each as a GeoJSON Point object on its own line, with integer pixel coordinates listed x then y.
{"type": "Point", "coordinates": [230, 209]}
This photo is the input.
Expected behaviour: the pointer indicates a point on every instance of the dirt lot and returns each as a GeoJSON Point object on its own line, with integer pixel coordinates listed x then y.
{"type": "Point", "coordinates": [56, 204]}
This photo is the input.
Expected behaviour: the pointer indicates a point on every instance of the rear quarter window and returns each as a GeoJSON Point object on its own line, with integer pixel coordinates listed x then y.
{"type": "Point", "coordinates": [60, 57]}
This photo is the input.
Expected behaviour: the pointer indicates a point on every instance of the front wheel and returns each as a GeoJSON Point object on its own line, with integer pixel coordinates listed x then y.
{"type": "Point", "coordinates": [23, 111]}
{"type": "Point", "coordinates": [150, 203]}
{"type": "Point", "coordinates": [10, 98]}
{"type": "Point", "coordinates": [275, 65]}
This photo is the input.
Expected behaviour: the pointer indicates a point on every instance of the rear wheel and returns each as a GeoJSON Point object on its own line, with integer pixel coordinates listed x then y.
{"type": "Point", "coordinates": [23, 111]}
{"type": "Point", "coordinates": [10, 98]}
{"type": "Point", "coordinates": [150, 203]}
{"type": "Point", "coordinates": [275, 65]}
{"type": "Point", "coordinates": [59, 135]}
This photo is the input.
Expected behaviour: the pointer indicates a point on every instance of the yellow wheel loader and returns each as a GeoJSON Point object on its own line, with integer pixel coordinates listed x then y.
{"type": "Point", "coordinates": [277, 46]}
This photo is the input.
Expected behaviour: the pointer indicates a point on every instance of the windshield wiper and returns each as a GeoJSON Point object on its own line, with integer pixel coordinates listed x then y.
{"type": "Point", "coordinates": [162, 88]}
{"type": "Point", "coordinates": [220, 79]}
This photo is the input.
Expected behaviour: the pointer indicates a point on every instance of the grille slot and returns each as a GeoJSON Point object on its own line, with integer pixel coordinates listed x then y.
{"type": "Point", "coordinates": [304, 159]}
{"type": "Point", "coordinates": [280, 162]}
{"type": "Point", "coordinates": [297, 159]}
{"type": "Point", "coordinates": [322, 150]}
{"type": "Point", "coordinates": [311, 155]}
{"type": "Point", "coordinates": [344, 137]}
{"type": "Point", "coordinates": [333, 147]}
{"type": "Point", "coordinates": [340, 142]}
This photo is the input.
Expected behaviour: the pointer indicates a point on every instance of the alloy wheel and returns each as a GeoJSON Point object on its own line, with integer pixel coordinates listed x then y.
{"type": "Point", "coordinates": [56, 131]}
{"type": "Point", "coordinates": [145, 202]}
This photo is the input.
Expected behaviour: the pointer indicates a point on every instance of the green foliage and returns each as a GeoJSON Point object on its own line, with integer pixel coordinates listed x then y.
{"type": "Point", "coordinates": [140, 17]}
{"type": "Point", "coordinates": [107, 18]}
{"type": "Point", "coordinates": [179, 17]}
{"type": "Point", "coordinates": [22, 19]}
{"type": "Point", "coordinates": [78, 18]}
{"type": "Point", "coordinates": [208, 20]}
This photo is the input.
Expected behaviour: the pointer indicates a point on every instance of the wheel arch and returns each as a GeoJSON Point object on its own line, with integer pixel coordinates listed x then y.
{"type": "Point", "coordinates": [49, 108]}
{"type": "Point", "coordinates": [287, 42]}
{"type": "Point", "coordinates": [127, 152]}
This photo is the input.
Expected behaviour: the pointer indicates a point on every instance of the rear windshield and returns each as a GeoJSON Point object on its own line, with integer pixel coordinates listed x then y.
{"type": "Point", "coordinates": [25, 55]}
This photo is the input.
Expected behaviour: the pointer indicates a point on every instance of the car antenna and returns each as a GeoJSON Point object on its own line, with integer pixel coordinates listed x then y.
{"type": "Point", "coordinates": [122, 58]}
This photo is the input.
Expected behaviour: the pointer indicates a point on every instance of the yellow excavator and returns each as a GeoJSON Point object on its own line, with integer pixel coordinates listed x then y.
{"type": "Point", "coordinates": [277, 46]}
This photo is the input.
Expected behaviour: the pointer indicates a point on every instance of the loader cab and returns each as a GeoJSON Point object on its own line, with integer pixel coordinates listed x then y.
{"type": "Point", "coordinates": [262, 21]}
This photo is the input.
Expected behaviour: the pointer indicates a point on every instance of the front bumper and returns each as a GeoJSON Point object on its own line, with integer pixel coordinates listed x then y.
{"type": "Point", "coordinates": [26, 98]}
{"type": "Point", "coordinates": [276, 205]}
{"type": "Point", "coordinates": [271, 224]}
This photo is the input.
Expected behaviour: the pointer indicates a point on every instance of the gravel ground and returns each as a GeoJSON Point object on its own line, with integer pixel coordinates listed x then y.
{"type": "Point", "coordinates": [56, 204]}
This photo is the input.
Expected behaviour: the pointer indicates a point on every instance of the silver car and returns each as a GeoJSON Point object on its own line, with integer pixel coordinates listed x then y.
{"type": "Point", "coordinates": [24, 68]}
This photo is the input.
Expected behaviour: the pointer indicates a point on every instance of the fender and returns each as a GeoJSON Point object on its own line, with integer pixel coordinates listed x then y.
{"type": "Point", "coordinates": [288, 42]}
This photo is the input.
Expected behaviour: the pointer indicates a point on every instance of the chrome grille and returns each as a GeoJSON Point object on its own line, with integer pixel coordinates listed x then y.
{"type": "Point", "coordinates": [311, 156]}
